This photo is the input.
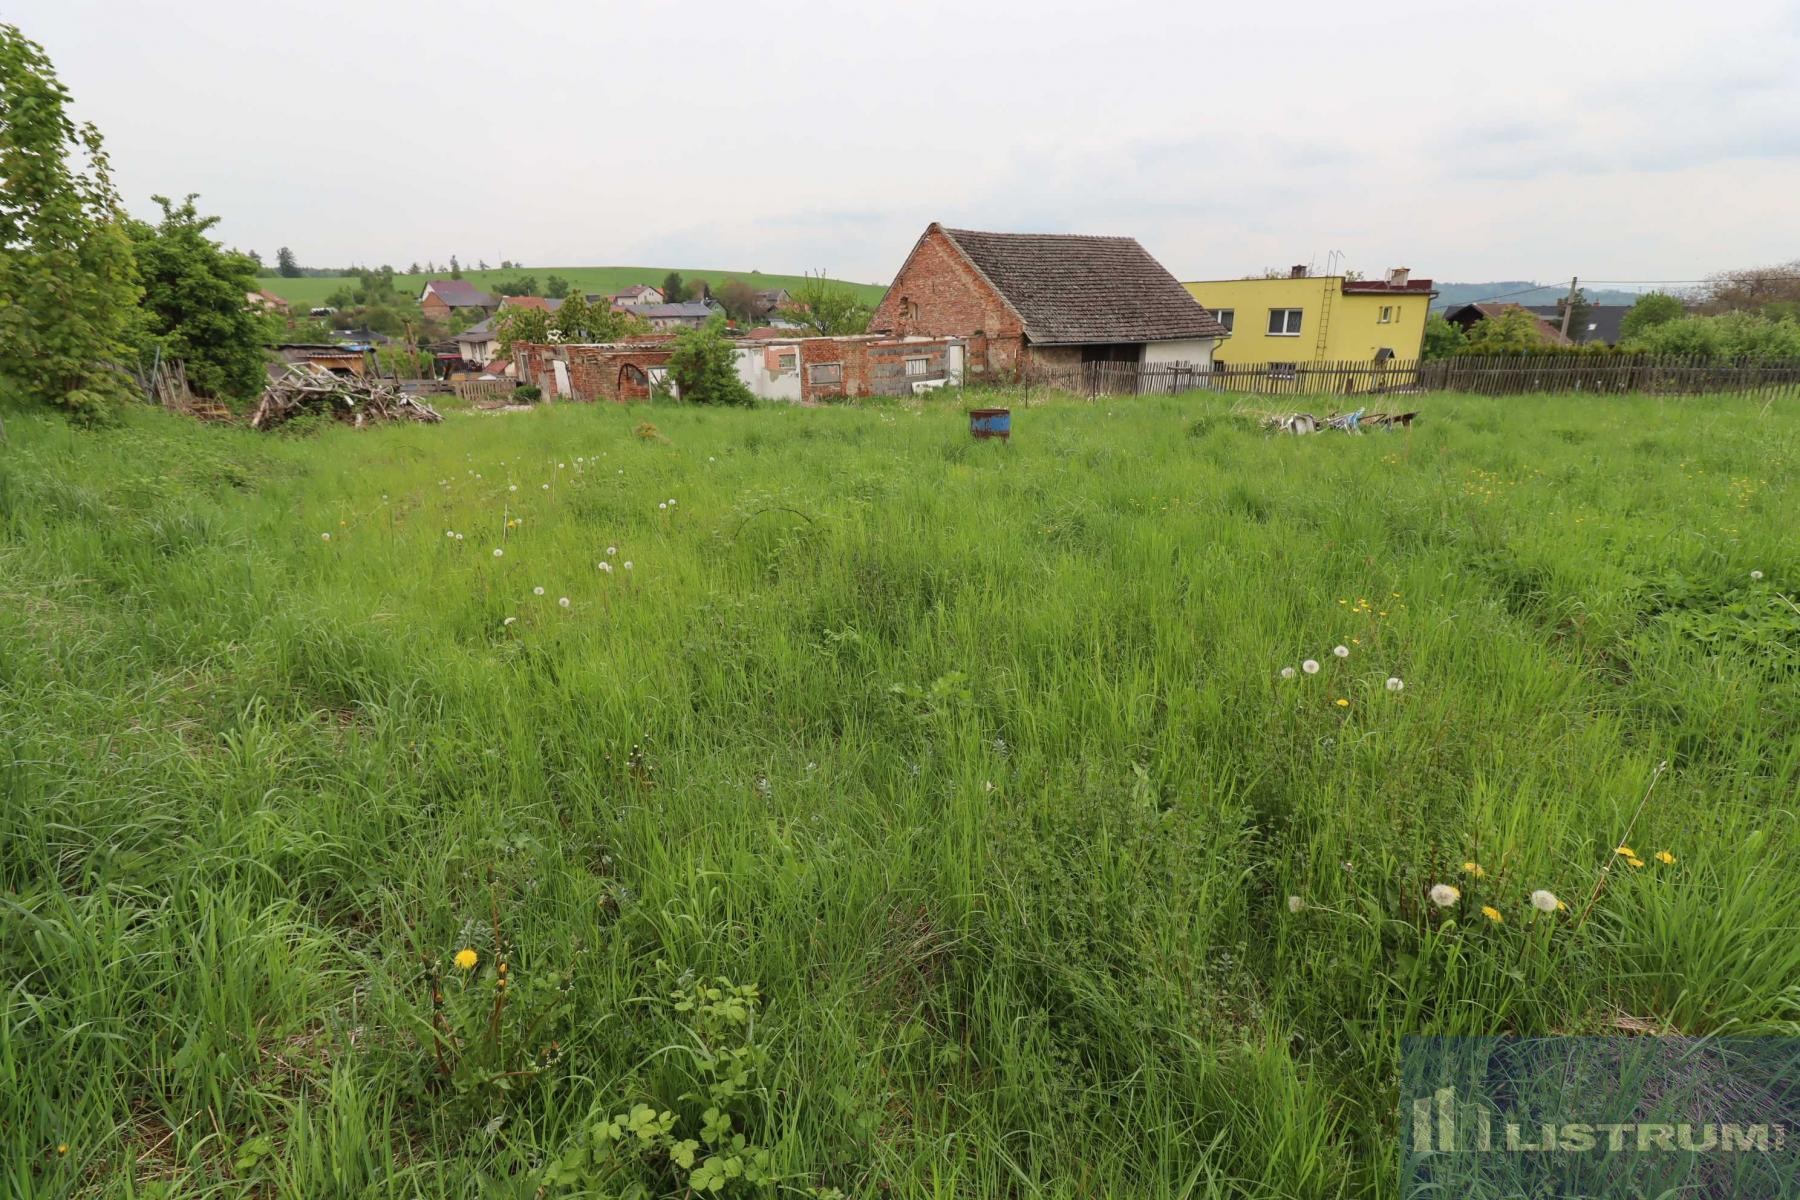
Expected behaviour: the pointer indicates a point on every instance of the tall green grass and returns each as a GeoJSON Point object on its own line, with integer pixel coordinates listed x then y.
{"type": "Point", "coordinates": [976, 758]}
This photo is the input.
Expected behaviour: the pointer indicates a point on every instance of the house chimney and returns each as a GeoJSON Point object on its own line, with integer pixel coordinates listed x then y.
{"type": "Point", "coordinates": [1297, 271]}
{"type": "Point", "coordinates": [1397, 276]}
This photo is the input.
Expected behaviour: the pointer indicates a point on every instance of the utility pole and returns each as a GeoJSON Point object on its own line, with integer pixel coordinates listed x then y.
{"type": "Point", "coordinates": [1569, 307]}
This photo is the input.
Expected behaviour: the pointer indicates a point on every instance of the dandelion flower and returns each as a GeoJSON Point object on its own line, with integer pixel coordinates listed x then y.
{"type": "Point", "coordinates": [1756, 575]}
{"type": "Point", "coordinates": [459, 537]}
{"type": "Point", "coordinates": [1492, 913]}
{"type": "Point", "coordinates": [628, 564]}
{"type": "Point", "coordinates": [1545, 901]}
{"type": "Point", "coordinates": [1295, 904]}
{"type": "Point", "coordinates": [671, 502]}
{"type": "Point", "coordinates": [1341, 651]}
{"type": "Point", "coordinates": [1394, 683]}
{"type": "Point", "coordinates": [710, 458]}
{"type": "Point", "coordinates": [512, 487]}
{"type": "Point", "coordinates": [62, 1147]}
{"type": "Point", "coordinates": [449, 533]}
{"type": "Point", "coordinates": [1664, 857]}
{"type": "Point", "coordinates": [509, 620]}
{"type": "Point", "coordinates": [1637, 864]}
{"type": "Point", "coordinates": [604, 566]}
{"type": "Point", "coordinates": [537, 591]}
{"type": "Point", "coordinates": [1343, 703]}
{"type": "Point", "coordinates": [466, 959]}
{"type": "Point", "coordinates": [546, 487]}
{"type": "Point", "coordinates": [612, 551]}
{"type": "Point", "coordinates": [1443, 895]}
{"type": "Point", "coordinates": [1625, 850]}
{"type": "Point", "coordinates": [1287, 672]}
{"type": "Point", "coordinates": [1310, 666]}
{"type": "Point", "coordinates": [498, 552]}
{"type": "Point", "coordinates": [663, 507]}
{"type": "Point", "coordinates": [563, 600]}
{"type": "Point", "coordinates": [1473, 870]}
{"type": "Point", "coordinates": [559, 466]}
{"type": "Point", "coordinates": [325, 537]}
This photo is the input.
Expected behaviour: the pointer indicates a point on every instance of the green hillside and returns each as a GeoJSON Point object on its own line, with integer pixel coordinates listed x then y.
{"type": "Point", "coordinates": [311, 290]}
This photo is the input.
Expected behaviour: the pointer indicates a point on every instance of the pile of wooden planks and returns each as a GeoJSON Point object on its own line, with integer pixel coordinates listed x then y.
{"type": "Point", "coordinates": [353, 399]}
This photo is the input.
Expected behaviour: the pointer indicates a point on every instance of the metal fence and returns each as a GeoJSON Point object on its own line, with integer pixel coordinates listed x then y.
{"type": "Point", "coordinates": [1491, 375]}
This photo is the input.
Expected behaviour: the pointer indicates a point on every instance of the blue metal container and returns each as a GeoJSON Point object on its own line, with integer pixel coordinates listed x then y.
{"type": "Point", "coordinates": [990, 423]}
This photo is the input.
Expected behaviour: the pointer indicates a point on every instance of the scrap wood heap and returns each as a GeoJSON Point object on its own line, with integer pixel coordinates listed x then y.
{"type": "Point", "coordinates": [352, 399]}
{"type": "Point", "coordinates": [1348, 422]}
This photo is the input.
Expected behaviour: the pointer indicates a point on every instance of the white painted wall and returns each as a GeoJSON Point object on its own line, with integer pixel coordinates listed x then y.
{"type": "Point", "coordinates": [762, 383]}
{"type": "Point", "coordinates": [1197, 352]}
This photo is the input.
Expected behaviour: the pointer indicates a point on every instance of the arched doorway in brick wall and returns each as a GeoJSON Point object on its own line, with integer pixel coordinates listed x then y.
{"type": "Point", "coordinates": [634, 384]}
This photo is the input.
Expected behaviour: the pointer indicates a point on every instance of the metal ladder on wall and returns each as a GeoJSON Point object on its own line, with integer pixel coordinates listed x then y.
{"type": "Point", "coordinates": [1324, 320]}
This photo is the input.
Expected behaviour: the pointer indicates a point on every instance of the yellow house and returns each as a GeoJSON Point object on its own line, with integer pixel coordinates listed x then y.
{"type": "Point", "coordinates": [1317, 318]}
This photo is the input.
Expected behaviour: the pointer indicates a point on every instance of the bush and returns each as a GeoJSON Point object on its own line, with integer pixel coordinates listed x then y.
{"type": "Point", "coordinates": [1731, 336]}
{"type": "Point", "coordinates": [531, 393]}
{"type": "Point", "coordinates": [704, 367]}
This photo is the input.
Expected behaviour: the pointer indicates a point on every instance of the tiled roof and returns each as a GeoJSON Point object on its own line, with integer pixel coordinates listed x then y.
{"type": "Point", "coordinates": [543, 303]}
{"type": "Point", "coordinates": [1071, 288]}
{"type": "Point", "coordinates": [459, 293]}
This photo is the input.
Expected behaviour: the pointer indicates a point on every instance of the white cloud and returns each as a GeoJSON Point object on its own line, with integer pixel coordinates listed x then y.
{"type": "Point", "coordinates": [1466, 143]}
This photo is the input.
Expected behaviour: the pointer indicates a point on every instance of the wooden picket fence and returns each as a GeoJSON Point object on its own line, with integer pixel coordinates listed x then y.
{"type": "Point", "coordinates": [1490, 375]}
{"type": "Point", "coordinates": [471, 391]}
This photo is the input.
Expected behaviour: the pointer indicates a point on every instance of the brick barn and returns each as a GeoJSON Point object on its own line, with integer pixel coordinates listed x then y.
{"type": "Point", "coordinates": [1045, 300]}
{"type": "Point", "coordinates": [442, 297]}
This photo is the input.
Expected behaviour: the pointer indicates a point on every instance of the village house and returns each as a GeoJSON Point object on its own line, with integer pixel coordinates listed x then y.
{"type": "Point", "coordinates": [1467, 316]}
{"type": "Point", "coordinates": [637, 293]}
{"type": "Point", "coordinates": [479, 344]}
{"type": "Point", "coordinates": [1026, 302]}
{"type": "Point", "coordinates": [443, 297]}
{"type": "Point", "coordinates": [267, 301]}
{"type": "Point", "coordinates": [690, 314]}
{"type": "Point", "coordinates": [1302, 318]}
{"type": "Point", "coordinates": [1602, 324]}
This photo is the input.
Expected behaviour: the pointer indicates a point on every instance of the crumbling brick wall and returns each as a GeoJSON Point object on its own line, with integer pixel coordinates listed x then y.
{"type": "Point", "coordinates": [596, 372]}
{"type": "Point", "coordinates": [939, 294]}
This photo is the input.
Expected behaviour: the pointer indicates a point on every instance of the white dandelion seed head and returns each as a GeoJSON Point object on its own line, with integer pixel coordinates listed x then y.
{"type": "Point", "coordinates": [459, 537]}
{"type": "Point", "coordinates": [628, 564]}
{"type": "Point", "coordinates": [612, 552]}
{"type": "Point", "coordinates": [604, 566]}
{"type": "Point", "coordinates": [1544, 901]}
{"type": "Point", "coordinates": [509, 620]}
{"type": "Point", "coordinates": [1287, 672]}
{"type": "Point", "coordinates": [663, 506]}
{"type": "Point", "coordinates": [546, 487]}
{"type": "Point", "coordinates": [498, 552]}
{"type": "Point", "coordinates": [1756, 574]}
{"type": "Point", "coordinates": [537, 591]}
{"type": "Point", "coordinates": [1443, 895]}
{"type": "Point", "coordinates": [710, 458]}
{"type": "Point", "coordinates": [563, 600]}
{"type": "Point", "coordinates": [1310, 666]}
{"type": "Point", "coordinates": [1295, 904]}
{"type": "Point", "coordinates": [1394, 683]}
{"type": "Point", "coordinates": [512, 487]}
{"type": "Point", "coordinates": [1341, 651]}
{"type": "Point", "coordinates": [449, 533]}
{"type": "Point", "coordinates": [325, 537]}
{"type": "Point", "coordinates": [671, 502]}
{"type": "Point", "coordinates": [559, 466]}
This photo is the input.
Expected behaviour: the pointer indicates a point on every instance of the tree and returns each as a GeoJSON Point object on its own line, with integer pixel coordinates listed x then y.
{"type": "Point", "coordinates": [1652, 309]}
{"type": "Point", "coordinates": [557, 287]}
{"type": "Point", "coordinates": [414, 269]}
{"type": "Point", "coordinates": [1753, 289]}
{"type": "Point", "coordinates": [703, 365]}
{"type": "Point", "coordinates": [507, 264]}
{"type": "Point", "coordinates": [575, 321]}
{"type": "Point", "coordinates": [828, 308]}
{"type": "Point", "coordinates": [1512, 332]}
{"type": "Point", "coordinates": [740, 301]}
{"type": "Point", "coordinates": [1442, 338]}
{"type": "Point", "coordinates": [698, 289]}
{"type": "Point", "coordinates": [194, 307]}
{"type": "Point", "coordinates": [482, 265]}
{"type": "Point", "coordinates": [455, 268]}
{"type": "Point", "coordinates": [287, 264]}
{"type": "Point", "coordinates": [524, 285]}
{"type": "Point", "coordinates": [68, 288]}
{"type": "Point", "coordinates": [674, 292]}
{"type": "Point", "coordinates": [1736, 335]}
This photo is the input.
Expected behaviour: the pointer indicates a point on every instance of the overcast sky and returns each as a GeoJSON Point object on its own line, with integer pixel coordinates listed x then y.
{"type": "Point", "coordinates": [1639, 140]}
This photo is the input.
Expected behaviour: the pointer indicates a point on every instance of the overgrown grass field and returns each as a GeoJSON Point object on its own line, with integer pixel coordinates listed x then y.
{"type": "Point", "coordinates": [975, 761]}
{"type": "Point", "coordinates": [313, 289]}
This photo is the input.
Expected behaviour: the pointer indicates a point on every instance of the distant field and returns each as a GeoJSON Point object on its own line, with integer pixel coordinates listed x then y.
{"type": "Point", "coordinates": [312, 290]}
{"type": "Point", "coordinates": [977, 759]}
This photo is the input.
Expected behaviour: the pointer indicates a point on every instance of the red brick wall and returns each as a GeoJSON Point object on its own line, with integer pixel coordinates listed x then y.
{"type": "Point", "coordinates": [937, 293]}
{"type": "Point", "coordinates": [434, 308]}
{"type": "Point", "coordinates": [595, 372]}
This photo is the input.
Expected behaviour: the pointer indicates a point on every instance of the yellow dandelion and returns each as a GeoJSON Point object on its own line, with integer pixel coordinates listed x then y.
{"type": "Point", "coordinates": [62, 1147]}
{"type": "Point", "coordinates": [1342, 703]}
{"type": "Point", "coordinates": [1492, 913]}
{"type": "Point", "coordinates": [467, 958]}
{"type": "Point", "coordinates": [1636, 863]}
{"type": "Point", "coordinates": [1473, 869]}
{"type": "Point", "coordinates": [1664, 857]}
{"type": "Point", "coordinates": [1626, 851]}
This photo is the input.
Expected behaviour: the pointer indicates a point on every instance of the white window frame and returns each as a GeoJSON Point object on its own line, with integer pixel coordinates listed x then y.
{"type": "Point", "coordinates": [1291, 320]}
{"type": "Point", "coordinates": [1228, 318]}
{"type": "Point", "coordinates": [917, 367]}
{"type": "Point", "coordinates": [1387, 315]}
